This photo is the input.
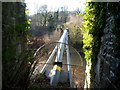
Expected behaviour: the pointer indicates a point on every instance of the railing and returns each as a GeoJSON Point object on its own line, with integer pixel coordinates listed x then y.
{"type": "Point", "coordinates": [55, 72]}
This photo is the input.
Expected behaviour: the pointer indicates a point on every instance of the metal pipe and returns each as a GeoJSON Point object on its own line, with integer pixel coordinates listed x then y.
{"type": "Point", "coordinates": [49, 60]}
{"type": "Point", "coordinates": [62, 40]}
{"type": "Point", "coordinates": [56, 69]}
{"type": "Point", "coordinates": [69, 62]}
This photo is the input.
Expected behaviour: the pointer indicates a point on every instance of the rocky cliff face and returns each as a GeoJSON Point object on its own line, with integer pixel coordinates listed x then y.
{"type": "Point", "coordinates": [107, 72]}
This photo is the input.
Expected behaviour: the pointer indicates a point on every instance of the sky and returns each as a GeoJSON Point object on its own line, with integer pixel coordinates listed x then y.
{"type": "Point", "coordinates": [72, 5]}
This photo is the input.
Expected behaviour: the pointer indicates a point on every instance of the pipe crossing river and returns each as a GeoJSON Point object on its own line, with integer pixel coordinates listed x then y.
{"type": "Point", "coordinates": [56, 70]}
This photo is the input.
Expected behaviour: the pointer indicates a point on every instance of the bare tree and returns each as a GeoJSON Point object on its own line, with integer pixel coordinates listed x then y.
{"type": "Point", "coordinates": [43, 14]}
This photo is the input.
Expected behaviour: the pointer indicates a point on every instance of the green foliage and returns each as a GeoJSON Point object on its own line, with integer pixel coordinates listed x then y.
{"type": "Point", "coordinates": [51, 22]}
{"type": "Point", "coordinates": [99, 17]}
{"type": "Point", "coordinates": [92, 30]}
{"type": "Point", "coordinates": [16, 57]}
{"type": "Point", "coordinates": [15, 32]}
{"type": "Point", "coordinates": [34, 87]}
{"type": "Point", "coordinates": [76, 35]}
{"type": "Point", "coordinates": [41, 76]}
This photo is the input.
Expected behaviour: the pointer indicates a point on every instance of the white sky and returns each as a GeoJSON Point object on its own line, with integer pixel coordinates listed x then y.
{"type": "Point", "coordinates": [54, 4]}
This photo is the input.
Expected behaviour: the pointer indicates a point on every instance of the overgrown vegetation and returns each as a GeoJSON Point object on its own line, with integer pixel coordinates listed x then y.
{"type": "Point", "coordinates": [17, 59]}
{"type": "Point", "coordinates": [74, 24]}
{"type": "Point", "coordinates": [99, 19]}
{"type": "Point", "coordinates": [92, 30]}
